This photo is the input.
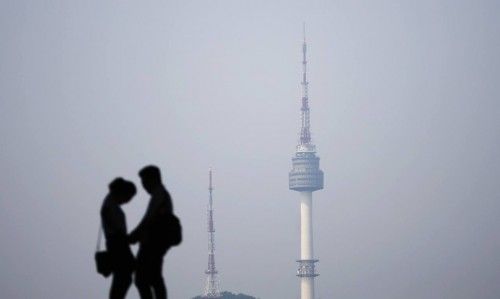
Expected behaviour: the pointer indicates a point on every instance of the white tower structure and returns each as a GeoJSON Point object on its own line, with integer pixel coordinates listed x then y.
{"type": "Point", "coordinates": [306, 177]}
{"type": "Point", "coordinates": [212, 289]}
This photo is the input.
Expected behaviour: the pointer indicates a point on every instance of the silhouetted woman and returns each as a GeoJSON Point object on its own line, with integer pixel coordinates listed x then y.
{"type": "Point", "coordinates": [115, 231]}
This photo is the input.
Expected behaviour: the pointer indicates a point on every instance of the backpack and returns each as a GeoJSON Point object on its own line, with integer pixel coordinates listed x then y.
{"type": "Point", "coordinates": [172, 230]}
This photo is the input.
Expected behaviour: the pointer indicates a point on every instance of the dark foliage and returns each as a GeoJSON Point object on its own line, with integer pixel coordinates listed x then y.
{"type": "Point", "coordinates": [229, 295]}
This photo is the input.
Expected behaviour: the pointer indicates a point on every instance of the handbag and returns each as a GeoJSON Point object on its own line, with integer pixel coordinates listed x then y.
{"type": "Point", "coordinates": [102, 257]}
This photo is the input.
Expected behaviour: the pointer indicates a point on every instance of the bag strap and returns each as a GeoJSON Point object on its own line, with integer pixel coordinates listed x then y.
{"type": "Point", "coordinates": [99, 237]}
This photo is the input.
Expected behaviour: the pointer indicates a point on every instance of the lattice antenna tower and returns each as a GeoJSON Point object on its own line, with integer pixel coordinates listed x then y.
{"type": "Point", "coordinates": [212, 285]}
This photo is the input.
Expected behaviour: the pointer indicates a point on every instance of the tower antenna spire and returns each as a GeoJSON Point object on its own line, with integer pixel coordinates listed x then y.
{"type": "Point", "coordinates": [304, 30]}
{"type": "Point", "coordinates": [305, 130]}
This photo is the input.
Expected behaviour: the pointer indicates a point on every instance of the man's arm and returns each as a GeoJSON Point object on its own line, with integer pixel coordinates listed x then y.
{"type": "Point", "coordinates": [138, 232]}
{"type": "Point", "coordinates": [160, 203]}
{"type": "Point", "coordinates": [168, 203]}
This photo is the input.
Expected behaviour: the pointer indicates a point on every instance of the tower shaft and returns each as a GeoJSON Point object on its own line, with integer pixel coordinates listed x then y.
{"type": "Point", "coordinates": [306, 270]}
{"type": "Point", "coordinates": [306, 226]}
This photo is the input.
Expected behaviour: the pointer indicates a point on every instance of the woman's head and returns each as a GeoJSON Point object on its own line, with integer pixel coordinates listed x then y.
{"type": "Point", "coordinates": [122, 190]}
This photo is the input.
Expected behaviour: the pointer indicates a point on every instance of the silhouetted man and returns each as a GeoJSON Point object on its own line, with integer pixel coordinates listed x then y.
{"type": "Point", "coordinates": [152, 244]}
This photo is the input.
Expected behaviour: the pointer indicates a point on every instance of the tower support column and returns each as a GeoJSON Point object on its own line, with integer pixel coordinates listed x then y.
{"type": "Point", "coordinates": [307, 261]}
{"type": "Point", "coordinates": [307, 288]}
{"type": "Point", "coordinates": [306, 226]}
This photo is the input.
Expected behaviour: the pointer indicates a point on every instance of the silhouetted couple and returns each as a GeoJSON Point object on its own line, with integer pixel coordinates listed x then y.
{"type": "Point", "coordinates": [158, 230]}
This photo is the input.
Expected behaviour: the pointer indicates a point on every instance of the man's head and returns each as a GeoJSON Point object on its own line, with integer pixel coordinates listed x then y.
{"type": "Point", "coordinates": [122, 190]}
{"type": "Point", "coordinates": [150, 177]}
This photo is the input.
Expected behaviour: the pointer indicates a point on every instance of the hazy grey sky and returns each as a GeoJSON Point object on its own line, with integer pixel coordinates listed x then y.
{"type": "Point", "coordinates": [405, 106]}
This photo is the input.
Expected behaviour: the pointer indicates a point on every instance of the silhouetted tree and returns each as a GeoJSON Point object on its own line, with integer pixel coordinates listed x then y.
{"type": "Point", "coordinates": [229, 295]}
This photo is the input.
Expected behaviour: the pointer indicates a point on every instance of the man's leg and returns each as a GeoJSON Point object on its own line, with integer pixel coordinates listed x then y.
{"type": "Point", "coordinates": [160, 289]}
{"type": "Point", "coordinates": [142, 275]}
{"type": "Point", "coordinates": [143, 286]}
{"type": "Point", "coordinates": [157, 281]}
{"type": "Point", "coordinates": [120, 285]}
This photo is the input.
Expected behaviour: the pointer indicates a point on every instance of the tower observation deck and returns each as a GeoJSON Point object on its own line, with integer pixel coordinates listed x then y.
{"type": "Point", "coordinates": [306, 177]}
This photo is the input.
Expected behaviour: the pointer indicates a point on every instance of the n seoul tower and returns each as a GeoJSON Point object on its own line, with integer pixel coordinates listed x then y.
{"type": "Point", "coordinates": [306, 177]}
